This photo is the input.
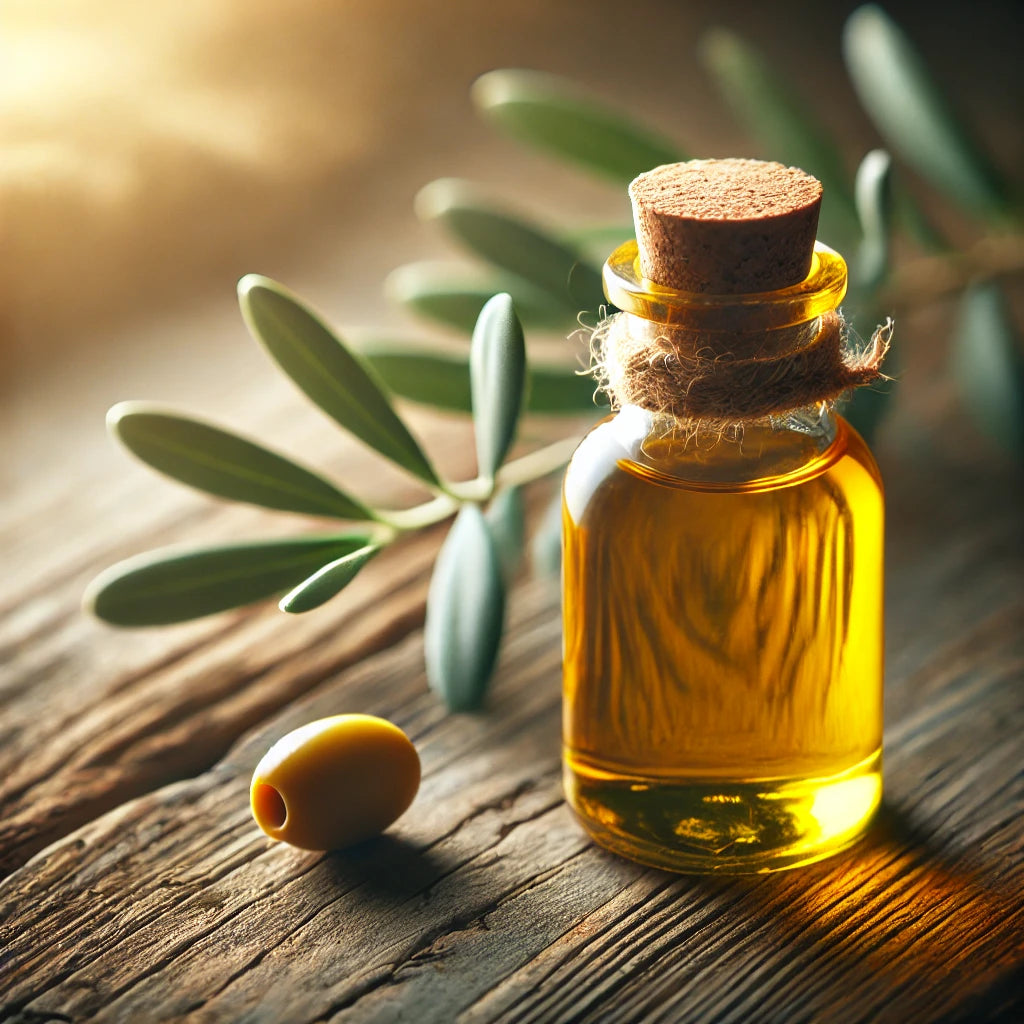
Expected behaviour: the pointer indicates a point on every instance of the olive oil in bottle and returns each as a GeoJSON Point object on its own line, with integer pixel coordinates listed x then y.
{"type": "Point", "coordinates": [722, 569]}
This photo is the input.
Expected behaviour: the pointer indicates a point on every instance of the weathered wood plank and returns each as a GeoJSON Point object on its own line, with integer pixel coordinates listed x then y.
{"type": "Point", "coordinates": [383, 684]}
{"type": "Point", "coordinates": [487, 903]}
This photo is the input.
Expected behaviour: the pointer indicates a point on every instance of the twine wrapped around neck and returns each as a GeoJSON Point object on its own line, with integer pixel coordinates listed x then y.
{"type": "Point", "coordinates": [730, 379]}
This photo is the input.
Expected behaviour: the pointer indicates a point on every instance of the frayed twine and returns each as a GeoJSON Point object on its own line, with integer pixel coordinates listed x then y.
{"type": "Point", "coordinates": [687, 375]}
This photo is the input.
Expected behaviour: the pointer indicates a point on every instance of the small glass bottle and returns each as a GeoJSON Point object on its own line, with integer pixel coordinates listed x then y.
{"type": "Point", "coordinates": [722, 596]}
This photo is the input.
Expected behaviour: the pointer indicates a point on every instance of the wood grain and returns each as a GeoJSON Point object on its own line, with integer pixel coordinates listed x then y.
{"type": "Point", "coordinates": [134, 886]}
{"type": "Point", "coordinates": [94, 716]}
{"type": "Point", "coordinates": [486, 902]}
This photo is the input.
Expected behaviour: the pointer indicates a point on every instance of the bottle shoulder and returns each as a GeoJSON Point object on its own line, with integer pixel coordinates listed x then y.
{"type": "Point", "coordinates": [761, 460]}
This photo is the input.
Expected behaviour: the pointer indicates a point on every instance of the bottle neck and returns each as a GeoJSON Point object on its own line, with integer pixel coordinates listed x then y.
{"type": "Point", "coordinates": [716, 362]}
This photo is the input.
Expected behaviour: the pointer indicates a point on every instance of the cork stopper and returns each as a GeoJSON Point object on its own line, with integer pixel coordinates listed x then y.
{"type": "Point", "coordinates": [725, 226]}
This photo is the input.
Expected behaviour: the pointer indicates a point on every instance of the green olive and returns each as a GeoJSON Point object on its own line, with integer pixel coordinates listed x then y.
{"type": "Point", "coordinates": [335, 782]}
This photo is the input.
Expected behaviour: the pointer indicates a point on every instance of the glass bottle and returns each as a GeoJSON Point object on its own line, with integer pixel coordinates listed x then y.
{"type": "Point", "coordinates": [722, 601]}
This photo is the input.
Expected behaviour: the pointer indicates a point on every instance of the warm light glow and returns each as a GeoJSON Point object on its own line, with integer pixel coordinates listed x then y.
{"type": "Point", "coordinates": [144, 141]}
{"type": "Point", "coordinates": [844, 805]}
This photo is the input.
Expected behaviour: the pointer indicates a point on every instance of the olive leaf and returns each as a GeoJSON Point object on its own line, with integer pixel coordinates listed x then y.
{"type": "Point", "coordinates": [221, 463]}
{"type": "Point", "coordinates": [465, 613]}
{"type": "Point", "coordinates": [441, 380]}
{"type": "Point", "coordinates": [328, 372]}
{"type": "Point", "coordinates": [987, 366]}
{"type": "Point", "coordinates": [553, 390]}
{"type": "Point", "coordinates": [555, 115]}
{"type": "Point", "coordinates": [900, 97]}
{"type": "Point", "coordinates": [454, 295]}
{"type": "Point", "coordinates": [873, 194]}
{"type": "Point", "coordinates": [511, 243]}
{"type": "Point", "coordinates": [173, 585]}
{"type": "Point", "coordinates": [497, 373]}
{"type": "Point", "coordinates": [506, 519]}
{"type": "Point", "coordinates": [438, 379]}
{"type": "Point", "coordinates": [327, 581]}
{"type": "Point", "coordinates": [782, 124]}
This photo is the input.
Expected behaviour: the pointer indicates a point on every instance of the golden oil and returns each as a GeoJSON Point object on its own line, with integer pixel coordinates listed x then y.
{"type": "Point", "coordinates": [723, 642]}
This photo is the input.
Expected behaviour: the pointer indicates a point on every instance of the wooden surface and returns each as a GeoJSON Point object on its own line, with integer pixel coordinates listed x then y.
{"type": "Point", "coordinates": [133, 884]}
{"type": "Point", "coordinates": [140, 890]}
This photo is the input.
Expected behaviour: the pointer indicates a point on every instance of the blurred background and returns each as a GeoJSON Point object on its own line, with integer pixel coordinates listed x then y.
{"type": "Point", "coordinates": [153, 153]}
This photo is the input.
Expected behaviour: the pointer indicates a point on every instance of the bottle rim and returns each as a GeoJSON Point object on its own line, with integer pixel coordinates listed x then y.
{"type": "Point", "coordinates": [822, 290]}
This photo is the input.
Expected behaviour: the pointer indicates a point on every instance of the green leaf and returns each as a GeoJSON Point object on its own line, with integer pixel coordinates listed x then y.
{"type": "Point", "coordinates": [553, 390]}
{"type": "Point", "coordinates": [555, 115]}
{"type": "Point", "coordinates": [326, 582]}
{"type": "Point", "coordinates": [899, 95]}
{"type": "Point", "coordinates": [438, 379]}
{"type": "Point", "coordinates": [465, 613]}
{"type": "Point", "coordinates": [788, 132]}
{"type": "Point", "coordinates": [441, 380]}
{"type": "Point", "coordinates": [506, 519]}
{"type": "Point", "coordinates": [172, 585]}
{"type": "Point", "coordinates": [511, 243]}
{"type": "Point", "coordinates": [497, 373]}
{"type": "Point", "coordinates": [221, 463]}
{"type": "Point", "coordinates": [454, 296]}
{"type": "Point", "coordinates": [546, 547]}
{"type": "Point", "coordinates": [987, 367]}
{"type": "Point", "coordinates": [873, 195]}
{"type": "Point", "coordinates": [328, 372]}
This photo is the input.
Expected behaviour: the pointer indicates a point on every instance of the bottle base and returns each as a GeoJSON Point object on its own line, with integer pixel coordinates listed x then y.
{"type": "Point", "coordinates": [727, 826]}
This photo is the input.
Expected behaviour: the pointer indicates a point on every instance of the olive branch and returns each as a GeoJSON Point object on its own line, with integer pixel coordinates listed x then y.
{"type": "Point", "coordinates": [546, 278]}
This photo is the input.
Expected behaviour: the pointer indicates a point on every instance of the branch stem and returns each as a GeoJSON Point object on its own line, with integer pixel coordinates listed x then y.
{"type": "Point", "coordinates": [928, 278]}
{"type": "Point", "coordinates": [536, 464]}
